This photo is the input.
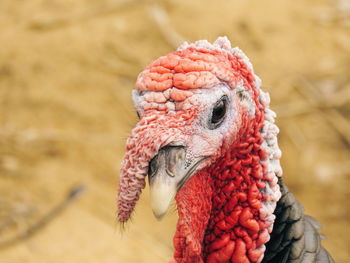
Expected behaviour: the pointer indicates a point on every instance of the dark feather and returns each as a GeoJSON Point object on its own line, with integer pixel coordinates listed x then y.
{"type": "Point", "coordinates": [294, 238]}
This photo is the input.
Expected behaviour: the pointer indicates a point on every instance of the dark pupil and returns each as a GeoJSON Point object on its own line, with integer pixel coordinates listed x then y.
{"type": "Point", "coordinates": [218, 112]}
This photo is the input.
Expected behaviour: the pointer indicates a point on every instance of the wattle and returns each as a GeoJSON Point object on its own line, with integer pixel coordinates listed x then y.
{"type": "Point", "coordinates": [194, 206]}
{"type": "Point", "coordinates": [226, 211]}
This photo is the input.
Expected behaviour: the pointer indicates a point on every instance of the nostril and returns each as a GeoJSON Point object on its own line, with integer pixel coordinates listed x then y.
{"type": "Point", "coordinates": [167, 160]}
{"type": "Point", "coordinates": [153, 166]}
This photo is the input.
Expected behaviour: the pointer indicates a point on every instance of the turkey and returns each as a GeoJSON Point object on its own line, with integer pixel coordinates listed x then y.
{"type": "Point", "coordinates": [207, 138]}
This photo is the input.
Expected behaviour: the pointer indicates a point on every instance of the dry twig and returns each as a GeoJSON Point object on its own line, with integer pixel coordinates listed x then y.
{"type": "Point", "coordinates": [161, 19]}
{"type": "Point", "coordinates": [74, 193]}
{"type": "Point", "coordinates": [337, 121]}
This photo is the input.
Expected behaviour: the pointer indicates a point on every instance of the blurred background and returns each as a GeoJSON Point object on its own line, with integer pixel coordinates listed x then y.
{"type": "Point", "coordinates": [66, 71]}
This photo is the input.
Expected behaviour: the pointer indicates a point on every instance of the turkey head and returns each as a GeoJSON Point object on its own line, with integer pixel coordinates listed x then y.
{"type": "Point", "coordinates": [207, 139]}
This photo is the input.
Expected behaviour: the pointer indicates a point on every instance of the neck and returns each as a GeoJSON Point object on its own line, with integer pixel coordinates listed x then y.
{"type": "Point", "coordinates": [226, 212]}
{"type": "Point", "coordinates": [194, 207]}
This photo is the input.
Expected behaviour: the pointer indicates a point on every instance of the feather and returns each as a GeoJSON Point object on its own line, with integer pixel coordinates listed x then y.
{"type": "Point", "coordinates": [294, 238]}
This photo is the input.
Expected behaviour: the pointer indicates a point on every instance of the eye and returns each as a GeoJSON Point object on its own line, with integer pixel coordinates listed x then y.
{"type": "Point", "coordinates": [219, 112]}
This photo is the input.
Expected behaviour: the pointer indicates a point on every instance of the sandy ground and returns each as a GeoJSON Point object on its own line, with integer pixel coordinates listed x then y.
{"type": "Point", "coordinates": [66, 71]}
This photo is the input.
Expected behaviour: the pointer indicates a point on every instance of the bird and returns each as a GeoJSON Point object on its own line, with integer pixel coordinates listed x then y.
{"type": "Point", "coordinates": [207, 139]}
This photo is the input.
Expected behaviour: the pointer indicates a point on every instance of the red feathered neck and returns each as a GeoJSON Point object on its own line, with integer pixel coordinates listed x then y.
{"type": "Point", "coordinates": [220, 209]}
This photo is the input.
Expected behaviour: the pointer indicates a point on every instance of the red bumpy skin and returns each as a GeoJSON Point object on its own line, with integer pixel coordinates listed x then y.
{"type": "Point", "coordinates": [226, 208]}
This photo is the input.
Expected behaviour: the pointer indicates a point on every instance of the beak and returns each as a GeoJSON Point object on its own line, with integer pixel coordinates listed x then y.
{"type": "Point", "coordinates": [167, 172]}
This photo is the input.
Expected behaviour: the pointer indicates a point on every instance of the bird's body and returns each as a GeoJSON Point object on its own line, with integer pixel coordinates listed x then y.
{"type": "Point", "coordinates": [294, 237]}
{"type": "Point", "coordinates": [207, 138]}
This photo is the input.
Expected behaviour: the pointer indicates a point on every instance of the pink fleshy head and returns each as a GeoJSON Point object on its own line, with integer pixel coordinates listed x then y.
{"type": "Point", "coordinates": [226, 208]}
